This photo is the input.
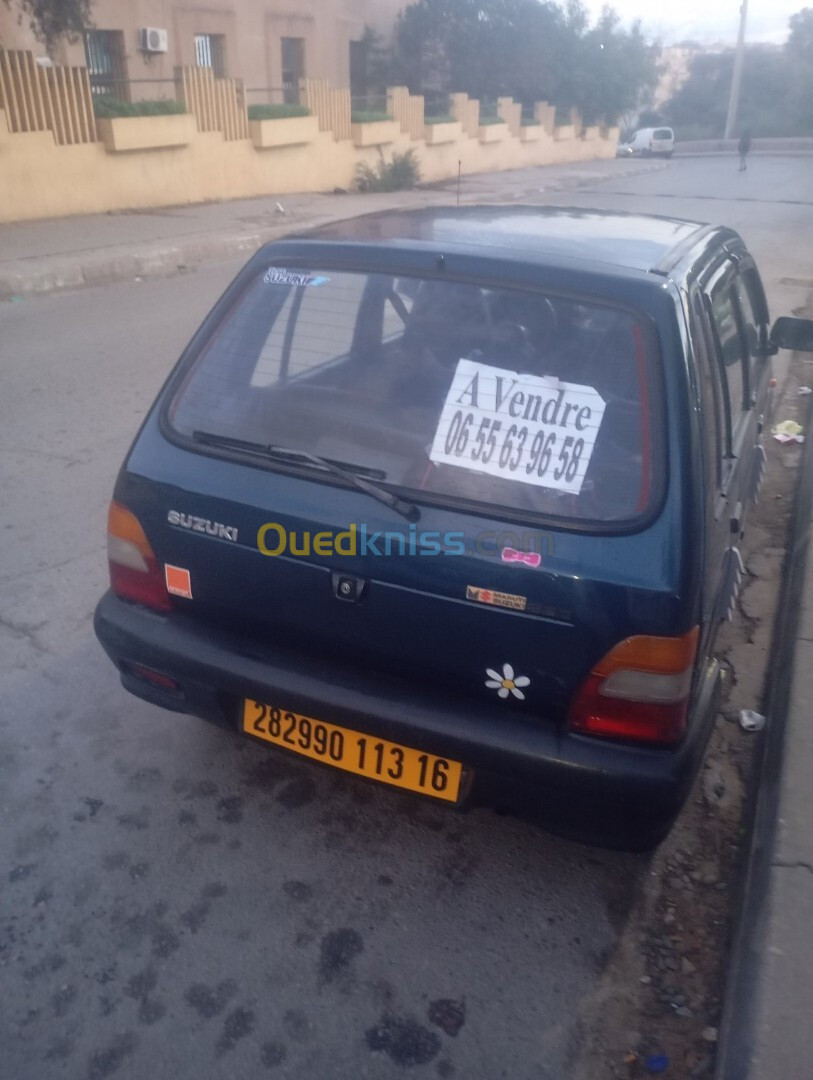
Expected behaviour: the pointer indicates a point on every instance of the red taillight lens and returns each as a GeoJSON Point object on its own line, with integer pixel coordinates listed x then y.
{"type": "Point", "coordinates": [157, 678]}
{"type": "Point", "coordinates": [134, 571]}
{"type": "Point", "coordinates": [639, 690]}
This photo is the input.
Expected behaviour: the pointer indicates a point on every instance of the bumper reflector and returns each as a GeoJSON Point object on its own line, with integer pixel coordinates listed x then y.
{"type": "Point", "coordinates": [157, 678]}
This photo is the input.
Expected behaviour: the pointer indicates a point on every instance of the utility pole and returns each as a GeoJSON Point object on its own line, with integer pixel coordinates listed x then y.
{"type": "Point", "coordinates": [736, 78]}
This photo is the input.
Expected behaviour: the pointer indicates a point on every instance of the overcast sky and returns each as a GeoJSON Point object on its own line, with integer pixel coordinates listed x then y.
{"type": "Point", "coordinates": [706, 20]}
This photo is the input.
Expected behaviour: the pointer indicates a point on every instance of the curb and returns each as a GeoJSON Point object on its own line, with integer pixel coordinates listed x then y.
{"type": "Point", "coordinates": [158, 262]}
{"type": "Point", "coordinates": [739, 1025]}
{"type": "Point", "coordinates": [161, 262]}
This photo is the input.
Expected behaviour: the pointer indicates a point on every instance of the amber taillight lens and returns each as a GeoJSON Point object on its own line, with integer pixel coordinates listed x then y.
{"type": "Point", "coordinates": [639, 690]}
{"type": "Point", "coordinates": [135, 574]}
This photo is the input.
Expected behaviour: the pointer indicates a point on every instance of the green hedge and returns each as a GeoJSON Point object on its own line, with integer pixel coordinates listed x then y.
{"type": "Point", "coordinates": [530, 121]}
{"type": "Point", "coordinates": [276, 112]}
{"type": "Point", "coordinates": [446, 118]}
{"type": "Point", "coordinates": [107, 107]}
{"type": "Point", "coordinates": [487, 121]}
{"type": "Point", "coordinates": [361, 116]}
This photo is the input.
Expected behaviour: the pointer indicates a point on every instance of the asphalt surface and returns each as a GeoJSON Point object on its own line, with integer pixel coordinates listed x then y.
{"type": "Point", "coordinates": [176, 902]}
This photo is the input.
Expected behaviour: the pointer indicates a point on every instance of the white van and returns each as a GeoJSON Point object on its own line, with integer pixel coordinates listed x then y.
{"type": "Point", "coordinates": [648, 141]}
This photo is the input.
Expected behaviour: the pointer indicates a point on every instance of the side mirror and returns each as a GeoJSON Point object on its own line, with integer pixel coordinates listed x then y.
{"type": "Point", "coordinates": [789, 333]}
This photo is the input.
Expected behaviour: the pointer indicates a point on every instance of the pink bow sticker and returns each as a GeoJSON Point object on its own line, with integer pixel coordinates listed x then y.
{"type": "Point", "coordinates": [530, 558]}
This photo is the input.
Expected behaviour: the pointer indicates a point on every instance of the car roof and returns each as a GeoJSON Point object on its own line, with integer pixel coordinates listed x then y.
{"type": "Point", "coordinates": [533, 234]}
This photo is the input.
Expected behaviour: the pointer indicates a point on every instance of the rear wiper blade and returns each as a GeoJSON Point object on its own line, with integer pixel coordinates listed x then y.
{"type": "Point", "coordinates": [346, 470]}
{"type": "Point", "coordinates": [281, 452]}
{"type": "Point", "coordinates": [349, 472]}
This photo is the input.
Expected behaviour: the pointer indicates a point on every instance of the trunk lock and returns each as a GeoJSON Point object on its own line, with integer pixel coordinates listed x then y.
{"type": "Point", "coordinates": [348, 588]}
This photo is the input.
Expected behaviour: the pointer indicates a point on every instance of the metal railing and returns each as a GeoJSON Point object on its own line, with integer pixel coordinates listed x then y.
{"type": "Point", "coordinates": [436, 105]}
{"type": "Point", "coordinates": [39, 96]}
{"type": "Point", "coordinates": [274, 95]}
{"type": "Point", "coordinates": [370, 105]}
{"type": "Point", "coordinates": [131, 89]}
{"type": "Point", "coordinates": [138, 94]}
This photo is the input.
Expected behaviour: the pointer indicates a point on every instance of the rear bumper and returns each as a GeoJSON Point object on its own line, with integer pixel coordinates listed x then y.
{"type": "Point", "coordinates": [601, 792]}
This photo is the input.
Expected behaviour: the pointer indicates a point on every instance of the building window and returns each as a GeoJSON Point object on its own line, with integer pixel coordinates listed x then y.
{"type": "Point", "coordinates": [104, 55]}
{"type": "Point", "coordinates": [210, 52]}
{"type": "Point", "coordinates": [358, 69]}
{"type": "Point", "coordinates": [293, 68]}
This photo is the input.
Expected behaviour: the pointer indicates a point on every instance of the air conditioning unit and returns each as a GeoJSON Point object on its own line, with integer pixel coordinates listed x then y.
{"type": "Point", "coordinates": [154, 40]}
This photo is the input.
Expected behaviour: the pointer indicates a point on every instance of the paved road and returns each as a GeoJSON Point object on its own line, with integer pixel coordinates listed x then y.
{"type": "Point", "coordinates": [177, 903]}
{"type": "Point", "coordinates": [770, 204]}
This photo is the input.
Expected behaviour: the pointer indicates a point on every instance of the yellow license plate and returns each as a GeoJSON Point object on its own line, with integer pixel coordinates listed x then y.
{"type": "Point", "coordinates": [355, 752]}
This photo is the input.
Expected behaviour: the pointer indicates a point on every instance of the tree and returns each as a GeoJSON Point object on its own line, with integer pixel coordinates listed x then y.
{"type": "Point", "coordinates": [777, 89]}
{"type": "Point", "coordinates": [699, 107]}
{"type": "Point", "coordinates": [51, 19]}
{"type": "Point", "coordinates": [484, 49]}
{"type": "Point", "coordinates": [800, 41]}
{"type": "Point", "coordinates": [370, 64]}
{"type": "Point", "coordinates": [615, 69]}
{"type": "Point", "coordinates": [525, 49]}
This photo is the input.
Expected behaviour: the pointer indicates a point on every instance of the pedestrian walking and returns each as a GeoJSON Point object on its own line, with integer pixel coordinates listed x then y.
{"type": "Point", "coordinates": [744, 145]}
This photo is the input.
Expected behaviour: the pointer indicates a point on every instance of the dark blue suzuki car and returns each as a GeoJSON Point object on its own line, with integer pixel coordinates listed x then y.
{"type": "Point", "coordinates": [451, 500]}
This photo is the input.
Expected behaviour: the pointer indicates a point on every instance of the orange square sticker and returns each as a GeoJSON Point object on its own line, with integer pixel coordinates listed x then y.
{"type": "Point", "coordinates": [179, 582]}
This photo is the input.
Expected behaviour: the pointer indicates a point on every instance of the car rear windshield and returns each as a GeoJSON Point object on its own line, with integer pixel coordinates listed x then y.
{"type": "Point", "coordinates": [662, 133]}
{"type": "Point", "coordinates": [453, 392]}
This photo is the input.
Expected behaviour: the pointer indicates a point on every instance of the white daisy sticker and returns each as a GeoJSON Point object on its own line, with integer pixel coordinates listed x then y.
{"type": "Point", "coordinates": [507, 683]}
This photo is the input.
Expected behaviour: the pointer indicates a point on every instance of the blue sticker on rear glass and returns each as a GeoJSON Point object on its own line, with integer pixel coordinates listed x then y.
{"type": "Point", "coordinates": [275, 275]}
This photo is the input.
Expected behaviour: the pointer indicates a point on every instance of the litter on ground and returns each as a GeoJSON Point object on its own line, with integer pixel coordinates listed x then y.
{"type": "Point", "coordinates": [751, 721]}
{"type": "Point", "coordinates": [788, 431]}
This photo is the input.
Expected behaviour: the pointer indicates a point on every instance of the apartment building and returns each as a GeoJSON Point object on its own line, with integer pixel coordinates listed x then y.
{"type": "Point", "coordinates": [135, 46]}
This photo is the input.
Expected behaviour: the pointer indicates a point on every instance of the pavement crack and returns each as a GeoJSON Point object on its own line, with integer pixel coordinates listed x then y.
{"type": "Point", "coordinates": [29, 634]}
{"type": "Point", "coordinates": [800, 864]}
{"type": "Point", "coordinates": [51, 454]}
{"type": "Point", "coordinates": [50, 566]}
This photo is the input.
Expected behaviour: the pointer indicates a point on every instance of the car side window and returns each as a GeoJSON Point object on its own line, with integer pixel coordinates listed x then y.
{"type": "Point", "coordinates": [725, 320]}
{"type": "Point", "coordinates": [711, 392]}
{"type": "Point", "coordinates": [730, 347]}
{"type": "Point", "coordinates": [752, 325]}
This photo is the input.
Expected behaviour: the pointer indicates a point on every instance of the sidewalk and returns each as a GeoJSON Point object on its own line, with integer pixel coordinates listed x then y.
{"type": "Point", "coordinates": [768, 1004]}
{"type": "Point", "coordinates": [69, 253]}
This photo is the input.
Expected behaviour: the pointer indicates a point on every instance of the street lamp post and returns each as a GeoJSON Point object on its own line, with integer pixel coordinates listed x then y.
{"type": "Point", "coordinates": [736, 78]}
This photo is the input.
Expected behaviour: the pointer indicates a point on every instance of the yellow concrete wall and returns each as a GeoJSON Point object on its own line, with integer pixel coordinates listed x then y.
{"type": "Point", "coordinates": [39, 179]}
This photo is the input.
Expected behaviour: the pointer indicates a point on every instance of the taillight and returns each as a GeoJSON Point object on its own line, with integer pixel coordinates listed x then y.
{"type": "Point", "coordinates": [639, 690]}
{"type": "Point", "coordinates": [134, 571]}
